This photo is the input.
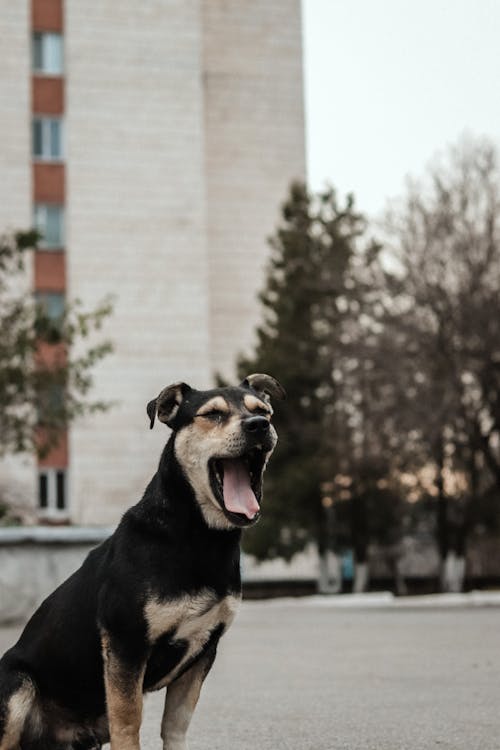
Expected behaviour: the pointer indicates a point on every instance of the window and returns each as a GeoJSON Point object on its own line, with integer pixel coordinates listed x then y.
{"type": "Point", "coordinates": [48, 53]}
{"type": "Point", "coordinates": [52, 304]}
{"type": "Point", "coordinates": [49, 222]}
{"type": "Point", "coordinates": [60, 490]}
{"type": "Point", "coordinates": [47, 138]}
{"type": "Point", "coordinates": [52, 495]}
{"type": "Point", "coordinates": [51, 404]}
{"type": "Point", "coordinates": [43, 493]}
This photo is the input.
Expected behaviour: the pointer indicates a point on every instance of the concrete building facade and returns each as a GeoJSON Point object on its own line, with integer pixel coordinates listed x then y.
{"type": "Point", "coordinates": [179, 125]}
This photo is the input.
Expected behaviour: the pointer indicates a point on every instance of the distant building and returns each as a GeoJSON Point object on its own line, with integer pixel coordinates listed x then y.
{"type": "Point", "coordinates": [152, 143]}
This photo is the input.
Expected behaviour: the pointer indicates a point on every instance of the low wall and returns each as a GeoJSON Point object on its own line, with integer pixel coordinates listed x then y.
{"type": "Point", "coordinates": [35, 560]}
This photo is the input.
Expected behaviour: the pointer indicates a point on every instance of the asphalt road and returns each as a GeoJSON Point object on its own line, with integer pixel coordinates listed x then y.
{"type": "Point", "coordinates": [307, 677]}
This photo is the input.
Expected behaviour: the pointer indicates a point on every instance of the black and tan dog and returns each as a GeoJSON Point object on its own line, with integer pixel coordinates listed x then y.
{"type": "Point", "coordinates": [148, 606]}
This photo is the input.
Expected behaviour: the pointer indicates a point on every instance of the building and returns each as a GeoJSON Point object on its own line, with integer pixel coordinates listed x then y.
{"type": "Point", "coordinates": [152, 143]}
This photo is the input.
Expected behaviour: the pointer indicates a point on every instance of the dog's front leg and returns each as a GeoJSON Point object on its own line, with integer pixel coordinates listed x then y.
{"type": "Point", "coordinates": [123, 685]}
{"type": "Point", "coordinates": [180, 702]}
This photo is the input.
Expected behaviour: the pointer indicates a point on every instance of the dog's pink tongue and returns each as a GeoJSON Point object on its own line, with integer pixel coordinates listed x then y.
{"type": "Point", "coordinates": [238, 494]}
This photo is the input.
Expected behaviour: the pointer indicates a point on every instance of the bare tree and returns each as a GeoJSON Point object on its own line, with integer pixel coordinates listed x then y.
{"type": "Point", "coordinates": [444, 326]}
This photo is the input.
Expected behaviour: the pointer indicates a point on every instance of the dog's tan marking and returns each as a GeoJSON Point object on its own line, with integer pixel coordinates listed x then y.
{"type": "Point", "coordinates": [123, 699]}
{"type": "Point", "coordinates": [194, 447]}
{"type": "Point", "coordinates": [193, 617]}
{"type": "Point", "coordinates": [182, 695]}
{"type": "Point", "coordinates": [253, 403]}
{"type": "Point", "coordinates": [19, 707]}
{"type": "Point", "coordinates": [180, 703]}
{"type": "Point", "coordinates": [162, 615]}
{"type": "Point", "coordinates": [215, 404]}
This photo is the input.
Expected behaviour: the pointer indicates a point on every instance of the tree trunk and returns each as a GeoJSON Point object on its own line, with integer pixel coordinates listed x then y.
{"type": "Point", "coordinates": [330, 570]}
{"type": "Point", "coordinates": [395, 560]}
{"type": "Point", "coordinates": [359, 532]}
{"type": "Point", "coordinates": [453, 573]}
{"type": "Point", "coordinates": [399, 580]}
{"type": "Point", "coordinates": [330, 573]}
{"type": "Point", "coordinates": [442, 529]}
{"type": "Point", "coordinates": [361, 577]}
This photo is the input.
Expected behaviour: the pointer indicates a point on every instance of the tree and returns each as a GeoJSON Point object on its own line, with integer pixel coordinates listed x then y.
{"type": "Point", "coordinates": [44, 383]}
{"type": "Point", "coordinates": [443, 327]}
{"type": "Point", "coordinates": [312, 313]}
{"type": "Point", "coordinates": [391, 356]}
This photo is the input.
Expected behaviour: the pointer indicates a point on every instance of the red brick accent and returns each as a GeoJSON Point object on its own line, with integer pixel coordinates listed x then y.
{"type": "Point", "coordinates": [58, 456]}
{"type": "Point", "coordinates": [47, 95]}
{"type": "Point", "coordinates": [48, 183]}
{"type": "Point", "coordinates": [50, 355]}
{"type": "Point", "coordinates": [48, 186]}
{"type": "Point", "coordinates": [47, 15]}
{"type": "Point", "coordinates": [50, 271]}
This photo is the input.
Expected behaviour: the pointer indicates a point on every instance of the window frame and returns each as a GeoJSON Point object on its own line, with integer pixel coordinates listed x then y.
{"type": "Point", "coordinates": [43, 68]}
{"type": "Point", "coordinates": [48, 301]}
{"type": "Point", "coordinates": [52, 508]}
{"type": "Point", "coordinates": [46, 121]}
{"type": "Point", "coordinates": [43, 244]}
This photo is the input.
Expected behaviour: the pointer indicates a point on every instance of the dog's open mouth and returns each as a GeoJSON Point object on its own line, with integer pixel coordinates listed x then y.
{"type": "Point", "coordinates": [237, 485]}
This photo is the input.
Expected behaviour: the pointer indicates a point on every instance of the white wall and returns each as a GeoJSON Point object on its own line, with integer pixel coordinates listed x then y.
{"type": "Point", "coordinates": [254, 131]}
{"type": "Point", "coordinates": [183, 128]}
{"type": "Point", "coordinates": [17, 473]}
{"type": "Point", "coordinates": [136, 228]}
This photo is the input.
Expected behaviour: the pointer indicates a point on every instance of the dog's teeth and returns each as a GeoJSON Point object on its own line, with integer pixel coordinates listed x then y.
{"type": "Point", "coordinates": [218, 476]}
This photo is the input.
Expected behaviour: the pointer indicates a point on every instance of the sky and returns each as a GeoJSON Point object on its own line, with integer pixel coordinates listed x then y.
{"type": "Point", "coordinates": [390, 83]}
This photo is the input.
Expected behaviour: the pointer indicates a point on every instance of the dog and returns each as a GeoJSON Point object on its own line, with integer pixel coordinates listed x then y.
{"type": "Point", "coordinates": [147, 608]}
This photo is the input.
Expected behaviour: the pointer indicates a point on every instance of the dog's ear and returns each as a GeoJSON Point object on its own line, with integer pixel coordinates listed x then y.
{"type": "Point", "coordinates": [265, 384]}
{"type": "Point", "coordinates": [166, 405]}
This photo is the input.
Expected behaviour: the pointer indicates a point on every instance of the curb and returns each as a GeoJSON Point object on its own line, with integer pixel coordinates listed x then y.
{"type": "Point", "coordinates": [387, 600]}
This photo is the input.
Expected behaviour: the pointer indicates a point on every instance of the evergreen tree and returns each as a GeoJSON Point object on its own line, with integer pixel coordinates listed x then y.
{"type": "Point", "coordinates": [311, 302]}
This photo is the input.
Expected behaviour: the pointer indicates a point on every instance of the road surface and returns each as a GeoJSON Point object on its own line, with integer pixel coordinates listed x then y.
{"type": "Point", "coordinates": [304, 676]}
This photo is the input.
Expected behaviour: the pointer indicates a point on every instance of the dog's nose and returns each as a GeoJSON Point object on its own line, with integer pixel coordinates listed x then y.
{"type": "Point", "coordinates": [255, 425]}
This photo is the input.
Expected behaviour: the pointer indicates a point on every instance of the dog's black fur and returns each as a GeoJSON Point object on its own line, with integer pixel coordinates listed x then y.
{"type": "Point", "coordinates": [164, 550]}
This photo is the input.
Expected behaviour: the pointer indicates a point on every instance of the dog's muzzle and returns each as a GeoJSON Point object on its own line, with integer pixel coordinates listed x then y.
{"type": "Point", "coordinates": [237, 480]}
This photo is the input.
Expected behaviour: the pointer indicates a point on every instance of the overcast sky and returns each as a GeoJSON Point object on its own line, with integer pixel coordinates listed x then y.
{"type": "Point", "coordinates": [388, 83]}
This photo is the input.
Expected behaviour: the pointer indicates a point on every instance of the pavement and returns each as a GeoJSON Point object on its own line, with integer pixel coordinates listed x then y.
{"type": "Point", "coordinates": [311, 674]}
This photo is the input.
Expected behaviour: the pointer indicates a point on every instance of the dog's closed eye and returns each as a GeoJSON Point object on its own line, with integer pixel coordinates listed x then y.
{"type": "Point", "coordinates": [216, 409]}
{"type": "Point", "coordinates": [214, 414]}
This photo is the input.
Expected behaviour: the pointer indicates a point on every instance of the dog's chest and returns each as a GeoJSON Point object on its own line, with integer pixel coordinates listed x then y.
{"type": "Point", "coordinates": [179, 629]}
